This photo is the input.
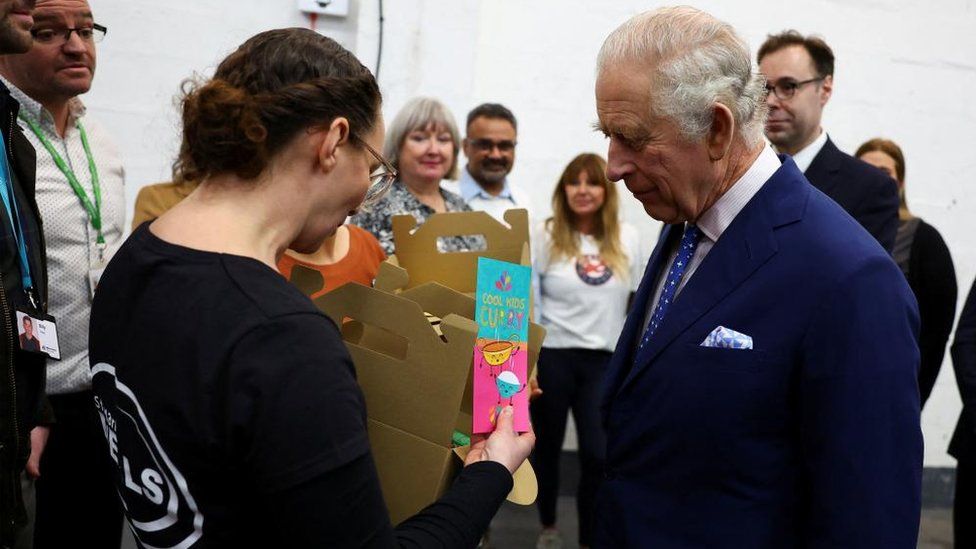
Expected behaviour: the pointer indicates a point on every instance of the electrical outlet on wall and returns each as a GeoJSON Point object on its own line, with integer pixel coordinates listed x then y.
{"type": "Point", "coordinates": [334, 8]}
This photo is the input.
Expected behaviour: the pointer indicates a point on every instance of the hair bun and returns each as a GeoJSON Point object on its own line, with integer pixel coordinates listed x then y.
{"type": "Point", "coordinates": [272, 87]}
{"type": "Point", "coordinates": [222, 131]}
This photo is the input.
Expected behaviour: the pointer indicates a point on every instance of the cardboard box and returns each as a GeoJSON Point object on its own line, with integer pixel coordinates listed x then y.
{"type": "Point", "coordinates": [416, 247]}
{"type": "Point", "coordinates": [441, 301]}
{"type": "Point", "coordinates": [417, 384]}
{"type": "Point", "coordinates": [415, 369]}
{"type": "Point", "coordinates": [413, 380]}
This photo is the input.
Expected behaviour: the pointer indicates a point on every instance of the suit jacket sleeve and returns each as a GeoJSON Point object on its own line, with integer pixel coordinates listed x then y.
{"type": "Point", "coordinates": [964, 355]}
{"type": "Point", "coordinates": [935, 288]}
{"type": "Point", "coordinates": [861, 440]}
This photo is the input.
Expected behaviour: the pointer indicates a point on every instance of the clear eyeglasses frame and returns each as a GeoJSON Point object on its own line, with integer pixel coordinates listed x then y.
{"type": "Point", "coordinates": [380, 180]}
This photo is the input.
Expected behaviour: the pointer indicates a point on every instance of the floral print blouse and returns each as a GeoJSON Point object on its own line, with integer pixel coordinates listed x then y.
{"type": "Point", "coordinates": [379, 219]}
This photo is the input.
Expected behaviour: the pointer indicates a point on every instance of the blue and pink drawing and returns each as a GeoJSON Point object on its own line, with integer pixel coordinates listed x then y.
{"type": "Point", "coordinates": [500, 354]}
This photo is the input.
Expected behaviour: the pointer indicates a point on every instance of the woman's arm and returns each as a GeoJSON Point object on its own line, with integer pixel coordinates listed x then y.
{"type": "Point", "coordinates": [298, 425]}
{"type": "Point", "coordinates": [936, 294]}
{"type": "Point", "coordinates": [344, 508]}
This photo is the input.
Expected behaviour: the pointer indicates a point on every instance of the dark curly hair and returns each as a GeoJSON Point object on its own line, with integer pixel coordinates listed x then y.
{"type": "Point", "coordinates": [273, 86]}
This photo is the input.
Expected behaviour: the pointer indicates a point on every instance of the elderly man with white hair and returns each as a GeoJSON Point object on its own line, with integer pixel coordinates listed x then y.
{"type": "Point", "coordinates": [763, 391]}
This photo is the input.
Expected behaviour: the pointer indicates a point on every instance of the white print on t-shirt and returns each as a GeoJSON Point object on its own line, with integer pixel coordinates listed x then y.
{"type": "Point", "coordinates": [155, 495]}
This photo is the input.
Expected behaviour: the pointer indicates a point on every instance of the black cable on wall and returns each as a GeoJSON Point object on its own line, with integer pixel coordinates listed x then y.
{"type": "Point", "coordinates": [379, 51]}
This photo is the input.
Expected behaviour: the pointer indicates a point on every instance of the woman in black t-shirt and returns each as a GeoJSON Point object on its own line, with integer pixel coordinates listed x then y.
{"type": "Point", "coordinates": [228, 401]}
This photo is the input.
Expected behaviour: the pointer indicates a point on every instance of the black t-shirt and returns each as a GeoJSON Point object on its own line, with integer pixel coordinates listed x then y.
{"type": "Point", "coordinates": [230, 405]}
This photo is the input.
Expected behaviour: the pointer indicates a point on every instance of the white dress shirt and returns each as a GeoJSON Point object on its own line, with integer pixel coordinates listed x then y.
{"type": "Point", "coordinates": [714, 221]}
{"type": "Point", "coordinates": [71, 248]}
{"type": "Point", "coordinates": [804, 157]}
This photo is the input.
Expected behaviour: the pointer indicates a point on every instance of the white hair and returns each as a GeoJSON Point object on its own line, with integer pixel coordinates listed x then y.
{"type": "Point", "coordinates": [697, 61]}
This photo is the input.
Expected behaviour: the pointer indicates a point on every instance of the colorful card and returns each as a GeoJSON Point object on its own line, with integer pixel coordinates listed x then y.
{"type": "Point", "coordinates": [500, 354]}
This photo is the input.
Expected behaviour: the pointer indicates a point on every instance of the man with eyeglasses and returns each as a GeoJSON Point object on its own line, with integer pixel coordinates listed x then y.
{"type": "Point", "coordinates": [800, 79]}
{"type": "Point", "coordinates": [489, 146]}
{"type": "Point", "coordinates": [81, 198]}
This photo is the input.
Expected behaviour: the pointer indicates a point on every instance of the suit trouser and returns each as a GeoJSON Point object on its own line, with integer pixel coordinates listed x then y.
{"type": "Point", "coordinates": [964, 506]}
{"type": "Point", "coordinates": [569, 379]}
{"type": "Point", "coordinates": [77, 504]}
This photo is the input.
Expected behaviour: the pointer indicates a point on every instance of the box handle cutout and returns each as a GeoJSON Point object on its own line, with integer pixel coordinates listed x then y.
{"type": "Point", "coordinates": [376, 339]}
{"type": "Point", "coordinates": [476, 242]}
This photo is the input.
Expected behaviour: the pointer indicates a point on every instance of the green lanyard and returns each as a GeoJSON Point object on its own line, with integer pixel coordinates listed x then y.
{"type": "Point", "coordinates": [94, 210]}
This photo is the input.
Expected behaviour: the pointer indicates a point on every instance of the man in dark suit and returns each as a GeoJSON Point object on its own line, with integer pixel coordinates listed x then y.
{"type": "Point", "coordinates": [963, 444]}
{"type": "Point", "coordinates": [763, 392]}
{"type": "Point", "coordinates": [800, 74]}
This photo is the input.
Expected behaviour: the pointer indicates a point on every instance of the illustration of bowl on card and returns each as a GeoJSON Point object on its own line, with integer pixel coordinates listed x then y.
{"type": "Point", "coordinates": [508, 384]}
{"type": "Point", "coordinates": [496, 353]}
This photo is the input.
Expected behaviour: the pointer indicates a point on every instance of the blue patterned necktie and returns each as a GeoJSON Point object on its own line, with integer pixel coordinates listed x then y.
{"type": "Point", "coordinates": [689, 241]}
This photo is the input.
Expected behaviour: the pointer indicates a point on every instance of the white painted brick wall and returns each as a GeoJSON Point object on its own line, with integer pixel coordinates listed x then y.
{"type": "Point", "coordinates": [905, 70]}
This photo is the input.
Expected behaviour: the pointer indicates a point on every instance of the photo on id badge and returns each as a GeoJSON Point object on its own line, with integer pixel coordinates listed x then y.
{"type": "Point", "coordinates": [38, 335]}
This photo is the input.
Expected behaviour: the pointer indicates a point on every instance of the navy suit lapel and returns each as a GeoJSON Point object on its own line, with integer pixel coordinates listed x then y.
{"type": "Point", "coordinates": [620, 363]}
{"type": "Point", "coordinates": [740, 251]}
{"type": "Point", "coordinates": [822, 171]}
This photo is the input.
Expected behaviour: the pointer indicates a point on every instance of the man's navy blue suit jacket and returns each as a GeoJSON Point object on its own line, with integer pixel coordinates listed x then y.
{"type": "Point", "coordinates": [865, 192]}
{"type": "Point", "coordinates": [811, 438]}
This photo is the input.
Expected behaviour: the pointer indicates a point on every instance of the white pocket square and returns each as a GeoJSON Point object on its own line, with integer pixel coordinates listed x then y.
{"type": "Point", "coordinates": [724, 338]}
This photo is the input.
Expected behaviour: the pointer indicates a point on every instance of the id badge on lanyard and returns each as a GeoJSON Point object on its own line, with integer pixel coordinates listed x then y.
{"type": "Point", "coordinates": [37, 332]}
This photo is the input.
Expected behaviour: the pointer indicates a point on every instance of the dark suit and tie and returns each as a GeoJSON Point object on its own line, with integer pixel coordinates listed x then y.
{"type": "Point", "coordinates": [763, 392]}
{"type": "Point", "coordinates": [865, 192]}
{"type": "Point", "coordinates": [811, 438]}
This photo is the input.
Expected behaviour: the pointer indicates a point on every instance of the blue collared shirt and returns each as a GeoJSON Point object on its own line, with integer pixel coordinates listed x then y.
{"type": "Point", "coordinates": [481, 200]}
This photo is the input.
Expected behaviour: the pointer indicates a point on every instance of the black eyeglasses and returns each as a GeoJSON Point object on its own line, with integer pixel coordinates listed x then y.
{"type": "Point", "coordinates": [786, 89]}
{"type": "Point", "coordinates": [50, 37]}
{"type": "Point", "coordinates": [486, 145]}
{"type": "Point", "coordinates": [380, 180]}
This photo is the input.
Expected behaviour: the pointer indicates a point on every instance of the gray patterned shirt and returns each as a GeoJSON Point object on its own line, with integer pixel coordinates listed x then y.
{"type": "Point", "coordinates": [71, 248]}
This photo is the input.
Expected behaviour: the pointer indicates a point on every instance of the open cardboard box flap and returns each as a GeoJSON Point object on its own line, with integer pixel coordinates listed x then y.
{"type": "Point", "coordinates": [414, 410]}
{"type": "Point", "coordinates": [413, 472]}
{"type": "Point", "coordinates": [442, 301]}
{"type": "Point", "coordinates": [412, 379]}
{"type": "Point", "coordinates": [416, 247]}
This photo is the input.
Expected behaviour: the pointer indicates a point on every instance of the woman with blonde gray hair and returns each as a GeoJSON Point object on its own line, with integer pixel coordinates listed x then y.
{"type": "Point", "coordinates": [586, 264]}
{"type": "Point", "coordinates": [422, 144]}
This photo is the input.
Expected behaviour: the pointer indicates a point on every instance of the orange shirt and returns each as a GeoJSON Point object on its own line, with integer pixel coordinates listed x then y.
{"type": "Point", "coordinates": [360, 264]}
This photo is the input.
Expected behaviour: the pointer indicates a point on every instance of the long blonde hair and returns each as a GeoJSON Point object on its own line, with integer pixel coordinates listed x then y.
{"type": "Point", "coordinates": [565, 241]}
